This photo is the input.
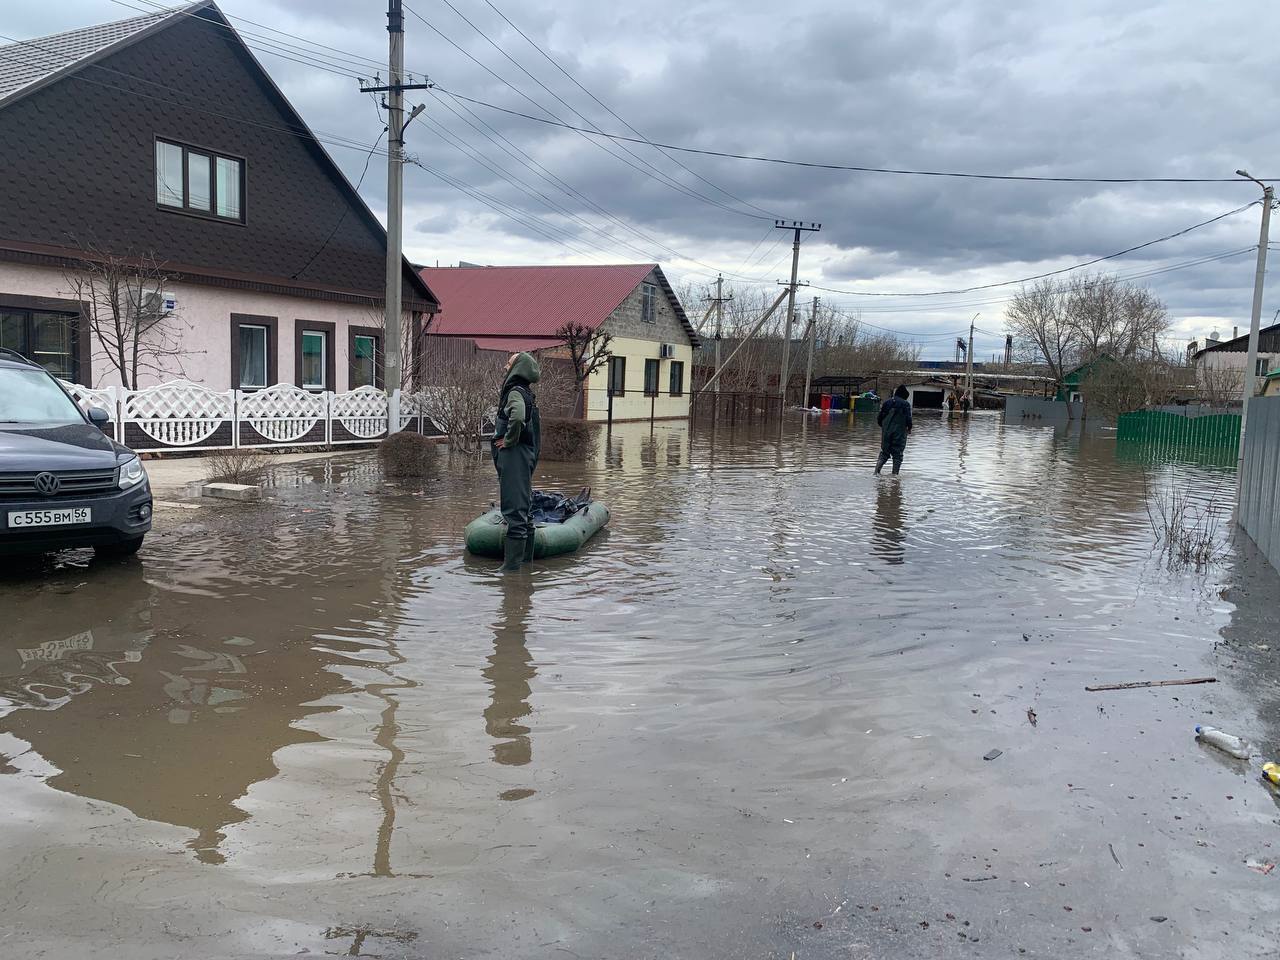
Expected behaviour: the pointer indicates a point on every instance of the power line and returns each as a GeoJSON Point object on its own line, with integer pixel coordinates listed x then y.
{"type": "Point", "coordinates": [346, 208]}
{"type": "Point", "coordinates": [843, 166]}
{"type": "Point", "coordinates": [611, 112]}
{"type": "Point", "coordinates": [652, 172]}
{"type": "Point", "coordinates": [1051, 273]}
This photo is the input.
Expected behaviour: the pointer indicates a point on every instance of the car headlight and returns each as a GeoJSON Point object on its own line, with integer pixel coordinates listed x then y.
{"type": "Point", "coordinates": [131, 473]}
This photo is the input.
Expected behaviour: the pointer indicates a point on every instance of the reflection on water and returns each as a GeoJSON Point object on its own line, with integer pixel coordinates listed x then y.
{"type": "Point", "coordinates": [509, 672]}
{"type": "Point", "coordinates": [322, 686]}
{"type": "Point", "coordinates": [887, 531]}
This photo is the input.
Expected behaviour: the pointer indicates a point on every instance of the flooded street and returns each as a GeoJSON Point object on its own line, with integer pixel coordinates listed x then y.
{"type": "Point", "coordinates": [748, 720]}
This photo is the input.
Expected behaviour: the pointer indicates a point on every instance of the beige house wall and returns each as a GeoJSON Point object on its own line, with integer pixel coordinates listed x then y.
{"type": "Point", "coordinates": [203, 319]}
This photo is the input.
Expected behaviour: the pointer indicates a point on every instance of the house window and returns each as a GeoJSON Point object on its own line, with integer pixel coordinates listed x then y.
{"type": "Point", "coordinates": [1263, 365]}
{"type": "Point", "coordinates": [198, 181]}
{"type": "Point", "coordinates": [314, 346]}
{"type": "Point", "coordinates": [677, 378]}
{"type": "Point", "coordinates": [313, 355]}
{"type": "Point", "coordinates": [617, 376]}
{"type": "Point", "coordinates": [253, 351]}
{"type": "Point", "coordinates": [648, 303]}
{"type": "Point", "coordinates": [365, 349]}
{"type": "Point", "coordinates": [47, 337]}
{"type": "Point", "coordinates": [651, 378]}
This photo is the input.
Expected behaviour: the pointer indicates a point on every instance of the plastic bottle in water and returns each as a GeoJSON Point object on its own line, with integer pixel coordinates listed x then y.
{"type": "Point", "coordinates": [1225, 742]}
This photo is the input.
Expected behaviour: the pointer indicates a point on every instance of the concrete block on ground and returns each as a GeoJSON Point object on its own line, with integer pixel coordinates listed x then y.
{"type": "Point", "coordinates": [232, 491]}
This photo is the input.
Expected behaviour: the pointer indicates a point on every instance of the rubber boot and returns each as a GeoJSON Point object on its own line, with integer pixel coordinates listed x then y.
{"type": "Point", "coordinates": [512, 553]}
{"type": "Point", "coordinates": [527, 557]}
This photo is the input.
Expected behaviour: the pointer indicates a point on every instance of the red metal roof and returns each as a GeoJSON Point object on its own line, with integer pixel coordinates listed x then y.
{"type": "Point", "coordinates": [524, 302]}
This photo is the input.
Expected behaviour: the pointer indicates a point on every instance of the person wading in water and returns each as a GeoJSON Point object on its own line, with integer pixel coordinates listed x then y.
{"type": "Point", "coordinates": [895, 423]}
{"type": "Point", "coordinates": [517, 440]}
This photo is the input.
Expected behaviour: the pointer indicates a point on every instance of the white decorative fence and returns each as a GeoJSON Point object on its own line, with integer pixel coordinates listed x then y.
{"type": "Point", "coordinates": [181, 415]}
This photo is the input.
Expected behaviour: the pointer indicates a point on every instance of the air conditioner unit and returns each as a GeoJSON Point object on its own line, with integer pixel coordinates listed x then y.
{"type": "Point", "coordinates": [667, 351]}
{"type": "Point", "coordinates": [155, 302]}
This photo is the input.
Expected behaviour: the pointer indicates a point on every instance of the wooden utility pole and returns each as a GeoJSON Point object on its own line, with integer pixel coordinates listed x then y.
{"type": "Point", "coordinates": [717, 304]}
{"type": "Point", "coordinates": [813, 334]}
{"type": "Point", "coordinates": [797, 227]}
{"type": "Point", "coordinates": [393, 101]}
{"type": "Point", "coordinates": [715, 378]}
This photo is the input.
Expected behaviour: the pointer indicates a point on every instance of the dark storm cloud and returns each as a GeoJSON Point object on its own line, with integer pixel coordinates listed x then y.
{"type": "Point", "coordinates": [1086, 89]}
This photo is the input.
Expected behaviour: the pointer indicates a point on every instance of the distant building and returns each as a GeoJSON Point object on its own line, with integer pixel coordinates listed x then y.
{"type": "Point", "coordinates": [1217, 356]}
{"type": "Point", "coordinates": [163, 136]}
{"type": "Point", "coordinates": [510, 309]}
{"type": "Point", "coordinates": [1072, 387]}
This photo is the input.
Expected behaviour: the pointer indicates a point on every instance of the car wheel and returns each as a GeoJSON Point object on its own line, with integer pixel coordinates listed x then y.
{"type": "Point", "coordinates": [123, 548]}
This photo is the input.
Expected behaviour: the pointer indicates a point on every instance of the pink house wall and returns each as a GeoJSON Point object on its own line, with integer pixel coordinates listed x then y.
{"type": "Point", "coordinates": [203, 316]}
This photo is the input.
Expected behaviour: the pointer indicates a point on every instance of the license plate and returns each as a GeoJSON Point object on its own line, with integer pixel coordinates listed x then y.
{"type": "Point", "coordinates": [50, 518]}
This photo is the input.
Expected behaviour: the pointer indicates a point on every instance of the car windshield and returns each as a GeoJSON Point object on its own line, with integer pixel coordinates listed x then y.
{"type": "Point", "coordinates": [32, 397]}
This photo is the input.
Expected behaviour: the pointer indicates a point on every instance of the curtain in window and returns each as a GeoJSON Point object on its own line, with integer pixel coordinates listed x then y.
{"type": "Point", "coordinates": [228, 172]}
{"type": "Point", "coordinates": [363, 363]}
{"type": "Point", "coordinates": [168, 174]}
{"type": "Point", "coordinates": [253, 356]}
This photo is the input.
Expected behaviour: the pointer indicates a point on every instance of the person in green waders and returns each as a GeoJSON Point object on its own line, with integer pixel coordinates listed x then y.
{"type": "Point", "coordinates": [517, 440]}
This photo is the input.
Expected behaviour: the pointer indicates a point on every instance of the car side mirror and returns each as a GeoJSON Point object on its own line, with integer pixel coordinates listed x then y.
{"type": "Point", "coordinates": [99, 417]}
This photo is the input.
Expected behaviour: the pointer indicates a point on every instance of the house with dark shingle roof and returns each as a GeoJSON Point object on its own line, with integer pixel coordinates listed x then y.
{"type": "Point", "coordinates": [162, 135]}
{"type": "Point", "coordinates": [510, 309]}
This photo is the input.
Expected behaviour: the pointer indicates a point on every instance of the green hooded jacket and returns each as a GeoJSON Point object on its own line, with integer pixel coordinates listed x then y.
{"type": "Point", "coordinates": [524, 371]}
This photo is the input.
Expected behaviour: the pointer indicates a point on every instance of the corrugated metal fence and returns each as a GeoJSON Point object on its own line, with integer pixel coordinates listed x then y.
{"type": "Point", "coordinates": [1259, 511]}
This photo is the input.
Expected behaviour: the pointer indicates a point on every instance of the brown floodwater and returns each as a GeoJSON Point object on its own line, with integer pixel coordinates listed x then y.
{"type": "Point", "coordinates": [749, 720]}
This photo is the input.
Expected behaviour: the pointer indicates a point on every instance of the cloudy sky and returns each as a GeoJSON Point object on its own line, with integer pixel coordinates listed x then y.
{"type": "Point", "coordinates": [1082, 89]}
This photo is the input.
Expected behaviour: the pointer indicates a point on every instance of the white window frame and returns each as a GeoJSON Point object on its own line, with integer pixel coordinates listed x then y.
{"type": "Point", "coordinates": [372, 358]}
{"type": "Point", "coordinates": [324, 359]}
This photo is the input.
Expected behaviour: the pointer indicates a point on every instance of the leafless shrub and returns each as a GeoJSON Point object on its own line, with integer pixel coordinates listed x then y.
{"type": "Point", "coordinates": [1114, 387]}
{"type": "Point", "coordinates": [1188, 531]}
{"type": "Point", "coordinates": [407, 455]}
{"type": "Point", "coordinates": [588, 351]}
{"type": "Point", "coordinates": [566, 439]}
{"type": "Point", "coordinates": [241, 465]}
{"type": "Point", "coordinates": [462, 397]}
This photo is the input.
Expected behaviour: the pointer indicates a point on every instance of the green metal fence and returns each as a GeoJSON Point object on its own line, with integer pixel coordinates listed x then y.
{"type": "Point", "coordinates": [1161, 435]}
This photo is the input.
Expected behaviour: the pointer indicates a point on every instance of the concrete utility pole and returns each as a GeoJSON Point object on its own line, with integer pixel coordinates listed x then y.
{"type": "Point", "coordinates": [798, 227]}
{"type": "Point", "coordinates": [968, 367]}
{"type": "Point", "coordinates": [1255, 318]}
{"type": "Point", "coordinates": [808, 367]}
{"type": "Point", "coordinates": [394, 89]}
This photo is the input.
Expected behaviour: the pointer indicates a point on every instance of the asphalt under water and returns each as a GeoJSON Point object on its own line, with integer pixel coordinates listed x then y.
{"type": "Point", "coordinates": [749, 720]}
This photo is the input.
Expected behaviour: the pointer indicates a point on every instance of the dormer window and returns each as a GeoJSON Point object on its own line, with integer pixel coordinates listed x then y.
{"type": "Point", "coordinates": [199, 181]}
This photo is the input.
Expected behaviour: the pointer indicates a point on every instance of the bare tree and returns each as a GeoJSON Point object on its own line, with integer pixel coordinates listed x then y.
{"type": "Point", "coordinates": [1040, 321]}
{"type": "Point", "coordinates": [1122, 385]}
{"type": "Point", "coordinates": [1219, 385]}
{"type": "Point", "coordinates": [588, 350]}
{"type": "Point", "coordinates": [128, 315]}
{"type": "Point", "coordinates": [1113, 318]}
{"type": "Point", "coordinates": [461, 396]}
{"type": "Point", "coordinates": [413, 349]}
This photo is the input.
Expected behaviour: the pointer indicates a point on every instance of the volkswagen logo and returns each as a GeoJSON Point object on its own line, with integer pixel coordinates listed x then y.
{"type": "Point", "coordinates": [47, 484]}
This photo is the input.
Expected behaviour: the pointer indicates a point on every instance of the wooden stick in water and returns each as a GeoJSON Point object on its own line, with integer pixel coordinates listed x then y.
{"type": "Point", "coordinates": [1150, 683]}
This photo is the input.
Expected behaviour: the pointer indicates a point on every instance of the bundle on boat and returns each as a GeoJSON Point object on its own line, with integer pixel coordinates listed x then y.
{"type": "Point", "coordinates": [561, 525]}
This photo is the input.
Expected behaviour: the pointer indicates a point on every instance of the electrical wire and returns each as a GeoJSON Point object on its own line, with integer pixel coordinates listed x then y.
{"type": "Point", "coordinates": [574, 80]}
{"type": "Point", "coordinates": [346, 208]}
{"type": "Point", "coordinates": [1051, 273]}
{"type": "Point", "coordinates": [652, 172]}
{"type": "Point", "coordinates": [855, 168]}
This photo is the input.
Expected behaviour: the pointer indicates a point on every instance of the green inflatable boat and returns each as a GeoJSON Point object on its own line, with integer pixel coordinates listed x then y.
{"type": "Point", "coordinates": [561, 525]}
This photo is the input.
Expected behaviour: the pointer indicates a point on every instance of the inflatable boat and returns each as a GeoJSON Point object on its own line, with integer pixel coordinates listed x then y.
{"type": "Point", "coordinates": [561, 525]}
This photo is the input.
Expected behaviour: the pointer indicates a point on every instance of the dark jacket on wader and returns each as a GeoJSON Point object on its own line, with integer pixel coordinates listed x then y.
{"type": "Point", "coordinates": [519, 428]}
{"type": "Point", "coordinates": [894, 419]}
